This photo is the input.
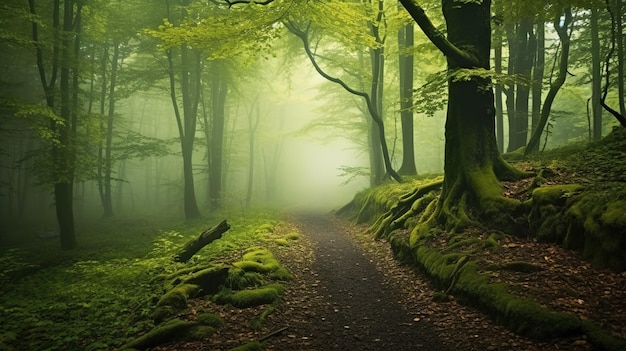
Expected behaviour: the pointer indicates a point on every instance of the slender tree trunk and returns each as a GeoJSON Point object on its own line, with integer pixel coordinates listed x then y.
{"type": "Point", "coordinates": [377, 59]}
{"type": "Point", "coordinates": [101, 144]}
{"type": "Point", "coordinates": [619, 37]}
{"type": "Point", "coordinates": [186, 131]}
{"type": "Point", "coordinates": [596, 76]}
{"type": "Point", "coordinates": [509, 90]}
{"type": "Point", "coordinates": [562, 30]}
{"type": "Point", "coordinates": [405, 60]}
{"type": "Point", "coordinates": [522, 54]}
{"type": "Point", "coordinates": [538, 71]}
{"type": "Point", "coordinates": [252, 127]}
{"type": "Point", "coordinates": [498, 42]}
{"type": "Point", "coordinates": [219, 93]}
{"type": "Point", "coordinates": [108, 154]}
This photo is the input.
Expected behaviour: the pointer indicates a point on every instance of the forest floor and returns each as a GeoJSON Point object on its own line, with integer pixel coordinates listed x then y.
{"type": "Point", "coordinates": [348, 292]}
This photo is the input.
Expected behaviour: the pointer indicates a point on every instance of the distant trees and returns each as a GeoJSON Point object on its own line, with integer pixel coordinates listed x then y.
{"type": "Point", "coordinates": [89, 58]}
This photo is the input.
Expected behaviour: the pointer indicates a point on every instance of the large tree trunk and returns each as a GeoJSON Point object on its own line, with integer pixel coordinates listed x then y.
{"type": "Point", "coordinates": [473, 165]}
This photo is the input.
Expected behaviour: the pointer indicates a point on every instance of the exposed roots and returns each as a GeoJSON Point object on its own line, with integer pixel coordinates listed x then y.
{"type": "Point", "coordinates": [409, 205]}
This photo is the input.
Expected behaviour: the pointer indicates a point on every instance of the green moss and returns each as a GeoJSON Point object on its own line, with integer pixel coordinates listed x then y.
{"type": "Point", "coordinates": [282, 242]}
{"type": "Point", "coordinates": [254, 266]}
{"type": "Point", "coordinates": [265, 229]}
{"type": "Point", "coordinates": [174, 329]}
{"type": "Point", "coordinates": [251, 346]}
{"type": "Point", "coordinates": [596, 226]}
{"type": "Point", "coordinates": [249, 297]}
{"type": "Point", "coordinates": [262, 261]}
{"type": "Point", "coordinates": [177, 297]}
{"type": "Point", "coordinates": [601, 339]}
{"type": "Point", "coordinates": [210, 319]}
{"type": "Point", "coordinates": [293, 236]}
{"type": "Point", "coordinates": [613, 216]}
{"type": "Point", "coordinates": [555, 194]}
{"type": "Point", "coordinates": [240, 279]}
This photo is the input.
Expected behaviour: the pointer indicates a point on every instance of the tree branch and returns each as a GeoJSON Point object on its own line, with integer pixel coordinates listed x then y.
{"type": "Point", "coordinates": [461, 57]}
{"type": "Point", "coordinates": [605, 90]}
{"type": "Point", "coordinates": [303, 35]}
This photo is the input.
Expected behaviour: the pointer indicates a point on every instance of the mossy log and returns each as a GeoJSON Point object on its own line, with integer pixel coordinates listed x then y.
{"type": "Point", "coordinates": [205, 238]}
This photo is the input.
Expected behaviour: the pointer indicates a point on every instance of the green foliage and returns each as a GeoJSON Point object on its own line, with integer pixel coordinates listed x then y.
{"type": "Point", "coordinates": [222, 33]}
{"type": "Point", "coordinates": [103, 294]}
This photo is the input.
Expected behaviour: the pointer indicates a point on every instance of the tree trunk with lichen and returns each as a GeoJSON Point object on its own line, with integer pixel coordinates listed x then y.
{"type": "Point", "coordinates": [473, 165]}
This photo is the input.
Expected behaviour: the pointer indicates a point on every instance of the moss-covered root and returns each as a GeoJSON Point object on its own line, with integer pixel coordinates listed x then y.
{"type": "Point", "coordinates": [523, 316]}
{"type": "Point", "coordinates": [409, 205]}
{"type": "Point", "coordinates": [174, 301]}
{"type": "Point", "coordinates": [251, 297]}
{"type": "Point", "coordinates": [206, 281]}
{"type": "Point", "coordinates": [174, 329]}
{"type": "Point", "coordinates": [262, 261]}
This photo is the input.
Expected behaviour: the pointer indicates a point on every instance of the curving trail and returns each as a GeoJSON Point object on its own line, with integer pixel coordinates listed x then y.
{"type": "Point", "coordinates": [354, 308]}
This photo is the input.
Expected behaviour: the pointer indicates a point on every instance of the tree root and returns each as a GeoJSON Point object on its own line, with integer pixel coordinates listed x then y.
{"type": "Point", "coordinates": [409, 205]}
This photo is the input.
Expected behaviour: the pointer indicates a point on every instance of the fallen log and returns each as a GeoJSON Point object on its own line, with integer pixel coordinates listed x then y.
{"type": "Point", "coordinates": [205, 238]}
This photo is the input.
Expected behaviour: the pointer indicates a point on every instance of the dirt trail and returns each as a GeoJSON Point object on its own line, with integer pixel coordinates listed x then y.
{"type": "Point", "coordinates": [349, 293]}
{"type": "Point", "coordinates": [356, 309]}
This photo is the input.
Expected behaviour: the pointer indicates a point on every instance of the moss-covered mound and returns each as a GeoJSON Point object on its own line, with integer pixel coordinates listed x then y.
{"type": "Point", "coordinates": [585, 214]}
{"type": "Point", "coordinates": [591, 221]}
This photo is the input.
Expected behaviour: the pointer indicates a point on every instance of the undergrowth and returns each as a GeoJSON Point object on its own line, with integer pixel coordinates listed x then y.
{"type": "Point", "coordinates": [101, 295]}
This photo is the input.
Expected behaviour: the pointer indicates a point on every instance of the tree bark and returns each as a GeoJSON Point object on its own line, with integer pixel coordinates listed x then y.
{"type": "Point", "coordinates": [522, 52]}
{"type": "Point", "coordinates": [498, 42]}
{"type": "Point", "coordinates": [619, 38]}
{"type": "Point", "coordinates": [216, 153]}
{"type": "Point", "coordinates": [205, 238]}
{"type": "Point", "coordinates": [473, 166]}
{"type": "Point", "coordinates": [596, 77]}
{"type": "Point", "coordinates": [538, 71]}
{"type": "Point", "coordinates": [108, 154]}
{"type": "Point", "coordinates": [405, 60]}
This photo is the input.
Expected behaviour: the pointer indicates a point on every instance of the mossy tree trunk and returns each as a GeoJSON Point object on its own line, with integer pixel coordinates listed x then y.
{"type": "Point", "coordinates": [473, 165]}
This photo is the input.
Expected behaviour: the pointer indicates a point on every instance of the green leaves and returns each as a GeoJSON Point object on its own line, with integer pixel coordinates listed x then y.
{"type": "Point", "coordinates": [219, 32]}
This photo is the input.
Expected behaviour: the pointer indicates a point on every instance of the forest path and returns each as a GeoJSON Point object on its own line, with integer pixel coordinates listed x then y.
{"type": "Point", "coordinates": [355, 307]}
{"type": "Point", "coordinates": [349, 293]}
